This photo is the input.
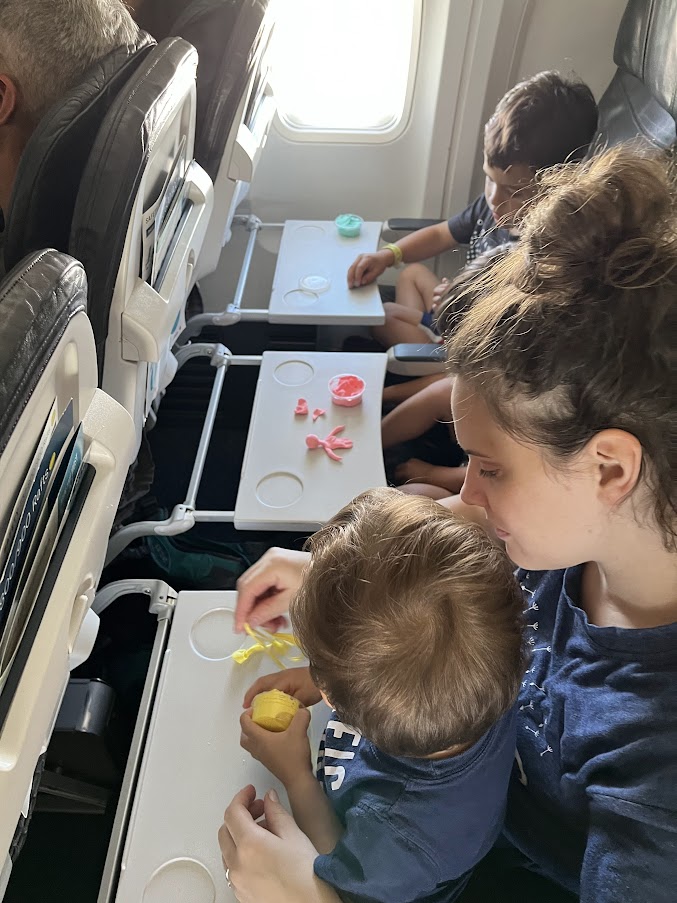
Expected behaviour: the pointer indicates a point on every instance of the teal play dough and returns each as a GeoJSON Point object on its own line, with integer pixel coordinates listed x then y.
{"type": "Point", "coordinates": [349, 224]}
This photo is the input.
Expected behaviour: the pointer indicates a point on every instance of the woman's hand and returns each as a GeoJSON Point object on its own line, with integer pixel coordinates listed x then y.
{"type": "Point", "coordinates": [271, 864]}
{"type": "Point", "coordinates": [295, 682]}
{"type": "Point", "coordinates": [265, 590]}
{"type": "Point", "coordinates": [286, 754]}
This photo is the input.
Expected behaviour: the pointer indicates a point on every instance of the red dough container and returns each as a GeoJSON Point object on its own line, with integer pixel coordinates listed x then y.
{"type": "Point", "coordinates": [346, 389]}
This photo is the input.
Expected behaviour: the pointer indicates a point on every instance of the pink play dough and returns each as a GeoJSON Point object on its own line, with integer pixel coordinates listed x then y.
{"type": "Point", "coordinates": [330, 443]}
{"type": "Point", "coordinates": [346, 389]}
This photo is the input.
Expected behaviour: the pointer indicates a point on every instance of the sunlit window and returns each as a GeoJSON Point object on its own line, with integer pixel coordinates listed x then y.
{"type": "Point", "coordinates": [344, 65]}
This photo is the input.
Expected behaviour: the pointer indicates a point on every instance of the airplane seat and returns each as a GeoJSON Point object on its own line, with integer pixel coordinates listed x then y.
{"type": "Point", "coordinates": [138, 226]}
{"type": "Point", "coordinates": [65, 448]}
{"type": "Point", "coordinates": [235, 107]}
{"type": "Point", "coordinates": [641, 100]}
{"type": "Point", "coordinates": [51, 167]}
{"type": "Point", "coordinates": [225, 71]}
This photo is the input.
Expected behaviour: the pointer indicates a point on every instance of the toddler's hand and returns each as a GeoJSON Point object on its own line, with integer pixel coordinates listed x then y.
{"type": "Point", "coordinates": [285, 754]}
{"type": "Point", "coordinates": [295, 682]}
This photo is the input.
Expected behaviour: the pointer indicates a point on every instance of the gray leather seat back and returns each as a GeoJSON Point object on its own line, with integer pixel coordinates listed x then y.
{"type": "Point", "coordinates": [114, 172]}
{"type": "Point", "coordinates": [230, 37]}
{"type": "Point", "coordinates": [52, 165]}
{"type": "Point", "coordinates": [641, 101]}
{"type": "Point", "coordinates": [38, 299]}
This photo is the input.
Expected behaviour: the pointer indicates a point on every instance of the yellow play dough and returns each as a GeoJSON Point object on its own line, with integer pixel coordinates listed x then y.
{"type": "Point", "coordinates": [274, 710]}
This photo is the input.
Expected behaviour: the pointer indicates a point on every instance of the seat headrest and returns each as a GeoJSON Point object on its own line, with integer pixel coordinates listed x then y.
{"type": "Point", "coordinates": [37, 301]}
{"type": "Point", "coordinates": [646, 47]}
{"type": "Point", "coordinates": [230, 37]}
{"type": "Point", "coordinates": [157, 17]}
{"type": "Point", "coordinates": [113, 174]}
{"type": "Point", "coordinates": [629, 112]}
{"type": "Point", "coordinates": [51, 167]}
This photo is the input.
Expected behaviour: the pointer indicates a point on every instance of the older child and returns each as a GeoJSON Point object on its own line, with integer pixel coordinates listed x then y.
{"type": "Point", "coordinates": [422, 663]}
{"type": "Point", "coordinates": [540, 122]}
{"type": "Point", "coordinates": [565, 399]}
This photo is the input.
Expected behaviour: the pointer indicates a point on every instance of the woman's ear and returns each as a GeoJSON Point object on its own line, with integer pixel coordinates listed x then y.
{"type": "Point", "coordinates": [9, 96]}
{"type": "Point", "coordinates": [618, 461]}
{"type": "Point", "coordinates": [324, 696]}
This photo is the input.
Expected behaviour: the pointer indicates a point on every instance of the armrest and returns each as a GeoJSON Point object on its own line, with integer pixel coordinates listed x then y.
{"type": "Point", "coordinates": [400, 224]}
{"type": "Point", "coordinates": [416, 359]}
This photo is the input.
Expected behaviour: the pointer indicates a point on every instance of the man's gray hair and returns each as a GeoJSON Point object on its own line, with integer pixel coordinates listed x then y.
{"type": "Point", "coordinates": [46, 46]}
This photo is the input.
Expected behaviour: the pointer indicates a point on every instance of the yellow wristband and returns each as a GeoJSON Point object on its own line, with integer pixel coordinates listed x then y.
{"type": "Point", "coordinates": [397, 253]}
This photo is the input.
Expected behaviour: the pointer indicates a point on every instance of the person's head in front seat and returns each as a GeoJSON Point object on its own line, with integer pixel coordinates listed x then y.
{"type": "Point", "coordinates": [45, 49]}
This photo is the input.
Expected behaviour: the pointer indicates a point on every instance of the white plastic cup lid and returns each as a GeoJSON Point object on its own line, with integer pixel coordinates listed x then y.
{"type": "Point", "coordinates": [317, 284]}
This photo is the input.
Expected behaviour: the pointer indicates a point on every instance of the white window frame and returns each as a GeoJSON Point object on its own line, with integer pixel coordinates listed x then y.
{"type": "Point", "coordinates": [382, 135]}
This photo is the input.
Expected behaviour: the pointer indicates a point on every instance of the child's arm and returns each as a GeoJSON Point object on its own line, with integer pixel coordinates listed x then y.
{"type": "Point", "coordinates": [313, 812]}
{"type": "Point", "coordinates": [426, 243]}
{"type": "Point", "coordinates": [287, 756]}
{"type": "Point", "coordinates": [419, 245]}
{"type": "Point", "coordinates": [416, 471]}
{"type": "Point", "coordinates": [401, 391]}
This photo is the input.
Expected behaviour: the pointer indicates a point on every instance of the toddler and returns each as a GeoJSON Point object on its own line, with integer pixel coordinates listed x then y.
{"type": "Point", "coordinates": [412, 623]}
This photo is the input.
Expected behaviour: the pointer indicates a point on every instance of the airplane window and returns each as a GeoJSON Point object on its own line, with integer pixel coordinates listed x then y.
{"type": "Point", "coordinates": [345, 65]}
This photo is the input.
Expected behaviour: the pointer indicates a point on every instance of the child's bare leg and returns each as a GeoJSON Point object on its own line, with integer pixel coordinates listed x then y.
{"type": "Point", "coordinates": [431, 492]}
{"type": "Point", "coordinates": [415, 471]}
{"type": "Point", "coordinates": [401, 391]}
{"type": "Point", "coordinates": [402, 325]}
{"type": "Point", "coordinates": [415, 287]}
{"type": "Point", "coordinates": [439, 398]}
{"type": "Point", "coordinates": [416, 415]}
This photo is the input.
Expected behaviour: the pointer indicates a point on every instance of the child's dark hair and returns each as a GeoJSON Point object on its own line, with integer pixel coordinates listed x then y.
{"type": "Point", "coordinates": [542, 121]}
{"type": "Point", "coordinates": [412, 622]}
{"type": "Point", "coordinates": [575, 330]}
{"type": "Point", "coordinates": [464, 289]}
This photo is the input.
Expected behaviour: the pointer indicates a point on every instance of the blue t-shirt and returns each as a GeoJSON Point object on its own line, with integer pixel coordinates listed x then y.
{"type": "Point", "coordinates": [414, 828]}
{"type": "Point", "coordinates": [593, 797]}
{"type": "Point", "coordinates": [475, 226]}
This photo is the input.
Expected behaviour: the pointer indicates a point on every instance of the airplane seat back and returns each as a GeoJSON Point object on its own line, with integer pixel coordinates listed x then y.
{"type": "Point", "coordinates": [230, 37]}
{"type": "Point", "coordinates": [52, 540]}
{"type": "Point", "coordinates": [641, 100]}
{"type": "Point", "coordinates": [51, 167]}
{"type": "Point", "coordinates": [235, 107]}
{"type": "Point", "coordinates": [139, 223]}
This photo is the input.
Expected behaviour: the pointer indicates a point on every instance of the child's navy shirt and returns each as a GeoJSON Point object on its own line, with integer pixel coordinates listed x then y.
{"type": "Point", "coordinates": [414, 828]}
{"type": "Point", "coordinates": [475, 226]}
{"type": "Point", "coordinates": [593, 797]}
